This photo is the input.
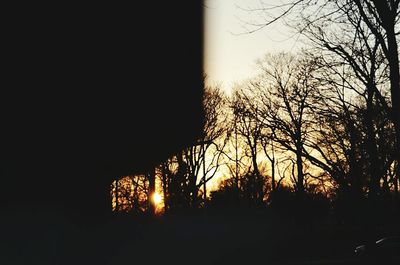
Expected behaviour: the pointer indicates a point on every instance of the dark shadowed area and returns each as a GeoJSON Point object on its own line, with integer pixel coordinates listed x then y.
{"type": "Point", "coordinates": [95, 92]}
{"type": "Point", "coordinates": [92, 92]}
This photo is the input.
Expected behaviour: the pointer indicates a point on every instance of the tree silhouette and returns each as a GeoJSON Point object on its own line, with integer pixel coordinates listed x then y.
{"type": "Point", "coordinates": [130, 194]}
{"type": "Point", "coordinates": [185, 173]}
{"type": "Point", "coordinates": [249, 128]}
{"type": "Point", "coordinates": [285, 90]}
{"type": "Point", "coordinates": [364, 34]}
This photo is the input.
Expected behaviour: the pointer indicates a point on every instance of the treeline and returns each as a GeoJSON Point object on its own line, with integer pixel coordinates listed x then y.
{"type": "Point", "coordinates": [181, 179]}
{"type": "Point", "coordinates": [318, 129]}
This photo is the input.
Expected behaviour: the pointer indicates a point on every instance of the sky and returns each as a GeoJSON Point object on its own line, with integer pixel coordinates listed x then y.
{"type": "Point", "coordinates": [230, 54]}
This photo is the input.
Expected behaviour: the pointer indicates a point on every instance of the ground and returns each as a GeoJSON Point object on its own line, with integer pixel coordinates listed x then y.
{"type": "Point", "coordinates": [203, 238]}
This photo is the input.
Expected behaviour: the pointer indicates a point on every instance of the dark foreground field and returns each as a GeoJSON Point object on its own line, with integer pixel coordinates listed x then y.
{"type": "Point", "coordinates": [212, 238]}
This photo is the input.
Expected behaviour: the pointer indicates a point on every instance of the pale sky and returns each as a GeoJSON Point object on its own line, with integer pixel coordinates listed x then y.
{"type": "Point", "coordinates": [230, 58]}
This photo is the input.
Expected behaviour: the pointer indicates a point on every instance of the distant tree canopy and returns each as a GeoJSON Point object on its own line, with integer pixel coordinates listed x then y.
{"type": "Point", "coordinates": [316, 129]}
{"type": "Point", "coordinates": [183, 177]}
{"type": "Point", "coordinates": [357, 43]}
{"type": "Point", "coordinates": [299, 135]}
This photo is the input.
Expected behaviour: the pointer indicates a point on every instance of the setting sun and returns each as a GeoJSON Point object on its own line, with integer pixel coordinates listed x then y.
{"type": "Point", "coordinates": [157, 198]}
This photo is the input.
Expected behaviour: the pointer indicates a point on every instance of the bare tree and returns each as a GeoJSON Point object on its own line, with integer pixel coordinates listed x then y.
{"type": "Point", "coordinates": [191, 168]}
{"type": "Point", "coordinates": [365, 35]}
{"type": "Point", "coordinates": [355, 61]}
{"type": "Point", "coordinates": [285, 90]}
{"type": "Point", "coordinates": [212, 143]}
{"type": "Point", "coordinates": [130, 194]}
{"type": "Point", "coordinates": [249, 128]}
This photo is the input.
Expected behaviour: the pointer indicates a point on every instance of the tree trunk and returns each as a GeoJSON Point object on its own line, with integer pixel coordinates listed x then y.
{"type": "Point", "coordinates": [204, 176]}
{"type": "Point", "coordinates": [152, 187]}
{"type": "Point", "coordinates": [164, 171]}
{"type": "Point", "coordinates": [393, 59]}
{"type": "Point", "coordinates": [236, 158]}
{"type": "Point", "coordinates": [116, 196]}
{"type": "Point", "coordinates": [300, 174]}
{"type": "Point", "coordinates": [354, 166]}
{"type": "Point", "coordinates": [256, 189]}
{"type": "Point", "coordinates": [273, 174]}
{"type": "Point", "coordinates": [374, 172]}
{"type": "Point", "coordinates": [396, 182]}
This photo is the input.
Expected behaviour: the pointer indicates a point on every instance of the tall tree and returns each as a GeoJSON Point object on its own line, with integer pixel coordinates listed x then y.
{"type": "Point", "coordinates": [249, 128]}
{"type": "Point", "coordinates": [191, 168]}
{"type": "Point", "coordinates": [285, 92]}
{"type": "Point", "coordinates": [372, 23]}
{"type": "Point", "coordinates": [355, 62]}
